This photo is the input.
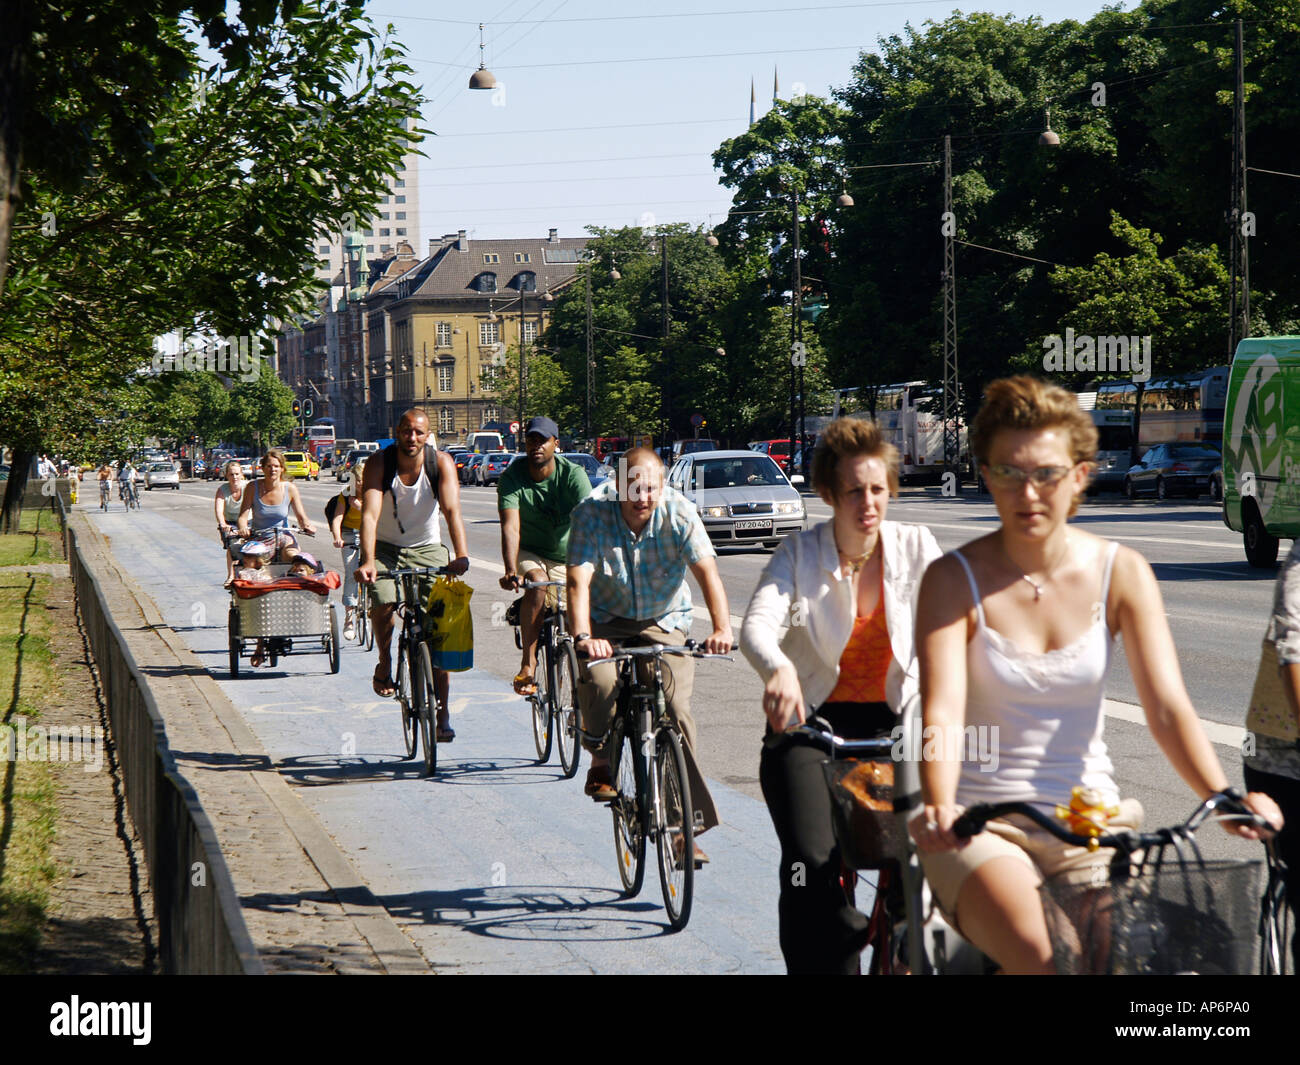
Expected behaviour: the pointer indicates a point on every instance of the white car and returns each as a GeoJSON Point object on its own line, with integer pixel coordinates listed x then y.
{"type": "Point", "coordinates": [162, 475]}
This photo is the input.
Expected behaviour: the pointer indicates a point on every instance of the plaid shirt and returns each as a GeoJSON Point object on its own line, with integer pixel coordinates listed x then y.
{"type": "Point", "coordinates": [641, 578]}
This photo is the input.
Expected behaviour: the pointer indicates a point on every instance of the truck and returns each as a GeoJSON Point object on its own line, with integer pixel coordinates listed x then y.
{"type": "Point", "coordinates": [481, 442]}
{"type": "Point", "coordinates": [1261, 446]}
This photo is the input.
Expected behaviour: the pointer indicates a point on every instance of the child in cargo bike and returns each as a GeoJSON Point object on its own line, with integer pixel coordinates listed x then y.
{"type": "Point", "coordinates": [304, 572]}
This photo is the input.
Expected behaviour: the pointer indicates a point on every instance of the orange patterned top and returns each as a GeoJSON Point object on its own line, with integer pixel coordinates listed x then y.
{"type": "Point", "coordinates": [865, 661]}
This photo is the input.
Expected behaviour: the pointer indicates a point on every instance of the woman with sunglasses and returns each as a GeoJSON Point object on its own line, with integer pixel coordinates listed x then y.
{"type": "Point", "coordinates": [1014, 636]}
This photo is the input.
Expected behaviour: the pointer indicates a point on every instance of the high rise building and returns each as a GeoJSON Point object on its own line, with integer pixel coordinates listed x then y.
{"type": "Point", "coordinates": [396, 218]}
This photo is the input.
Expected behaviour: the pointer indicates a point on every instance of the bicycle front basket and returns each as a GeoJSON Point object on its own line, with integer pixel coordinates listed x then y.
{"type": "Point", "coordinates": [1186, 916]}
{"type": "Point", "coordinates": [862, 808]}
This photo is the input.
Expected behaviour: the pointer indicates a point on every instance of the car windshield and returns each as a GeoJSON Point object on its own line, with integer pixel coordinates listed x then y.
{"type": "Point", "coordinates": [293, 456]}
{"type": "Point", "coordinates": [160, 467]}
{"type": "Point", "coordinates": [737, 473]}
{"type": "Point", "coordinates": [1193, 451]}
{"type": "Point", "coordinates": [587, 462]}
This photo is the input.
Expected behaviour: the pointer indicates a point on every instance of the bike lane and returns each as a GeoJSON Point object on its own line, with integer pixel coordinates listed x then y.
{"type": "Point", "coordinates": [497, 865]}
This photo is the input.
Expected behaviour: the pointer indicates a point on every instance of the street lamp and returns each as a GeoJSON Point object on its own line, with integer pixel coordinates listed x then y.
{"type": "Point", "coordinates": [482, 78]}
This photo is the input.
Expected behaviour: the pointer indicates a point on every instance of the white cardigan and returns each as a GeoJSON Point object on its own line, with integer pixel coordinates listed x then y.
{"type": "Point", "coordinates": [804, 591]}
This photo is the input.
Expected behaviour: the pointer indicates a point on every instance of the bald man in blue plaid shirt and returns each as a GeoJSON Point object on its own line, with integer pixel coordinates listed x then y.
{"type": "Point", "coordinates": [630, 544]}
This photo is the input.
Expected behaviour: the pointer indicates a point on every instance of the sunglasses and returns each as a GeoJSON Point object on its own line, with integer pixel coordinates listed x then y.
{"type": "Point", "coordinates": [1040, 476]}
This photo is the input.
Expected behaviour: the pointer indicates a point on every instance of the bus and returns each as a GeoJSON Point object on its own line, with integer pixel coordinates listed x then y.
{"type": "Point", "coordinates": [910, 415]}
{"type": "Point", "coordinates": [1114, 443]}
{"type": "Point", "coordinates": [1182, 408]}
{"type": "Point", "coordinates": [318, 439]}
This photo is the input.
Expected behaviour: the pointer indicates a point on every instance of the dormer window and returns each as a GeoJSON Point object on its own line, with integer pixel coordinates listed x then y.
{"type": "Point", "coordinates": [526, 281]}
{"type": "Point", "coordinates": [485, 282]}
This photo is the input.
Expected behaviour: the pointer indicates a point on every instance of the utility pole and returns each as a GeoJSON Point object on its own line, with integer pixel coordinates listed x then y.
{"type": "Point", "coordinates": [1239, 252]}
{"type": "Point", "coordinates": [520, 416]}
{"type": "Point", "coordinates": [797, 354]}
{"type": "Point", "coordinates": [667, 358]}
{"type": "Point", "coordinates": [951, 406]}
{"type": "Point", "coordinates": [591, 361]}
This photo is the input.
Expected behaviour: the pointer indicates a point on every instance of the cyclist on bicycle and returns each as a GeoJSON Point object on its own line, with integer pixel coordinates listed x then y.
{"type": "Point", "coordinates": [850, 585]}
{"type": "Point", "coordinates": [105, 478]}
{"type": "Point", "coordinates": [1010, 658]}
{"type": "Point", "coordinates": [264, 510]}
{"type": "Point", "coordinates": [399, 530]}
{"type": "Point", "coordinates": [125, 481]}
{"type": "Point", "coordinates": [535, 497]}
{"type": "Point", "coordinates": [630, 544]}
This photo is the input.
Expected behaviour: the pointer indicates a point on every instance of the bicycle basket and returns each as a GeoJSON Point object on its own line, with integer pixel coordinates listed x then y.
{"type": "Point", "coordinates": [1186, 916]}
{"type": "Point", "coordinates": [862, 809]}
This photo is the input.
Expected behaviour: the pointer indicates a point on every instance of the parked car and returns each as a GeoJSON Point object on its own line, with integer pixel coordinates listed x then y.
{"type": "Point", "coordinates": [690, 447]}
{"type": "Point", "coordinates": [494, 464]}
{"type": "Point", "coordinates": [1173, 469]}
{"type": "Point", "coordinates": [162, 475]}
{"type": "Point", "coordinates": [301, 464]}
{"type": "Point", "coordinates": [468, 472]}
{"type": "Point", "coordinates": [597, 472]}
{"type": "Point", "coordinates": [742, 497]}
{"type": "Point", "coordinates": [777, 450]}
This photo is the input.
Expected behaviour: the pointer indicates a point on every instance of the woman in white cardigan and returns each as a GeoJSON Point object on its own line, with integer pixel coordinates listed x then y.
{"type": "Point", "coordinates": [844, 592]}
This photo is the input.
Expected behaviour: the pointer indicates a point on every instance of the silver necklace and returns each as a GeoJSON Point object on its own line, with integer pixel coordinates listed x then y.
{"type": "Point", "coordinates": [1038, 588]}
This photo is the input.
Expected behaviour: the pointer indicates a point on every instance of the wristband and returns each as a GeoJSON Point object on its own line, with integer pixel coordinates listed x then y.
{"type": "Point", "coordinates": [579, 637]}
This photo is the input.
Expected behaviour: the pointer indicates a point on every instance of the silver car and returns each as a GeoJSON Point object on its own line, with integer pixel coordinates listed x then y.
{"type": "Point", "coordinates": [162, 475]}
{"type": "Point", "coordinates": [743, 497]}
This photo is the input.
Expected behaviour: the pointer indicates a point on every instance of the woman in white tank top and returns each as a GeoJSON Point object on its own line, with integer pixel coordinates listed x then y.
{"type": "Point", "coordinates": [1014, 636]}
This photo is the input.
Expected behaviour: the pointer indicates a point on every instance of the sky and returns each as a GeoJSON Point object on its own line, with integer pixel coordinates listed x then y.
{"type": "Point", "coordinates": [611, 118]}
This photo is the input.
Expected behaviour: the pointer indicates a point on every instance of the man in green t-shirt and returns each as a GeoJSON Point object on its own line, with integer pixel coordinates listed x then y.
{"type": "Point", "coordinates": [535, 496]}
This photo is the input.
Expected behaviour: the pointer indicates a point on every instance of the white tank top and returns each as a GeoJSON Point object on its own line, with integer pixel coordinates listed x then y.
{"type": "Point", "coordinates": [417, 509]}
{"type": "Point", "coordinates": [1047, 709]}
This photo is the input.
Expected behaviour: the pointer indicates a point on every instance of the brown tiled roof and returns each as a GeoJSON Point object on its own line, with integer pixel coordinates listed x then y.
{"type": "Point", "coordinates": [453, 271]}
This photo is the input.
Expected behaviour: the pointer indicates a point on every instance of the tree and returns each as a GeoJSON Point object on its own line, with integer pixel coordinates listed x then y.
{"type": "Point", "coordinates": [260, 411]}
{"type": "Point", "coordinates": [548, 390]}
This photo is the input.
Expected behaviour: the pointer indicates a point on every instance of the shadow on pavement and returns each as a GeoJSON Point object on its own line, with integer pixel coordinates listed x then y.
{"type": "Point", "coordinates": [1195, 571]}
{"type": "Point", "coordinates": [531, 912]}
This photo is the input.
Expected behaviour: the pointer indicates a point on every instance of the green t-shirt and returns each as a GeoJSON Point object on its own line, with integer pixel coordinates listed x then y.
{"type": "Point", "coordinates": [544, 506]}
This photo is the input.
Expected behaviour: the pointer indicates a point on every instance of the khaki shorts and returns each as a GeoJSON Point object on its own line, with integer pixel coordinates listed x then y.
{"type": "Point", "coordinates": [390, 556]}
{"type": "Point", "coordinates": [1019, 838]}
{"type": "Point", "coordinates": [555, 571]}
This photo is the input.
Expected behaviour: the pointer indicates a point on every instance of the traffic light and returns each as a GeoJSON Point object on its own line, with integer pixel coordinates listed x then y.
{"type": "Point", "coordinates": [297, 409]}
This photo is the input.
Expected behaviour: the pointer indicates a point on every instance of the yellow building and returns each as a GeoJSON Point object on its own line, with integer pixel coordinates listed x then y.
{"type": "Point", "coordinates": [438, 329]}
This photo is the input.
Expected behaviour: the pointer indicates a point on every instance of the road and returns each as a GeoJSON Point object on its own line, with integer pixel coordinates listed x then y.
{"type": "Point", "coordinates": [499, 866]}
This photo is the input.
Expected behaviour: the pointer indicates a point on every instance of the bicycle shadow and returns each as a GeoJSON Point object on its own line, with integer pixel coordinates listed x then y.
{"type": "Point", "coordinates": [533, 913]}
{"type": "Point", "coordinates": [320, 770]}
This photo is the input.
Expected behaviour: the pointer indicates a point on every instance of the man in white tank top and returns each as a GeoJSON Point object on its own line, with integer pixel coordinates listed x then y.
{"type": "Point", "coordinates": [399, 529]}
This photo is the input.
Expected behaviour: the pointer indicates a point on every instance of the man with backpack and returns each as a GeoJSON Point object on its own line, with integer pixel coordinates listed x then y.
{"type": "Point", "coordinates": [404, 489]}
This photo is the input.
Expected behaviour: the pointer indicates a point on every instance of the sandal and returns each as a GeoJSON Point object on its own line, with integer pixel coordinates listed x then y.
{"type": "Point", "coordinates": [382, 685]}
{"type": "Point", "coordinates": [525, 684]}
{"type": "Point", "coordinates": [446, 734]}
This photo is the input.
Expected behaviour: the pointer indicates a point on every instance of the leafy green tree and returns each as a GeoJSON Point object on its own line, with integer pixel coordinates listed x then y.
{"type": "Point", "coordinates": [261, 410]}
{"type": "Point", "coordinates": [548, 390]}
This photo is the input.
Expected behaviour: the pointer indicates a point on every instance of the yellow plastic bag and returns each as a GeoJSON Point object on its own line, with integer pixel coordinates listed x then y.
{"type": "Point", "coordinates": [450, 626]}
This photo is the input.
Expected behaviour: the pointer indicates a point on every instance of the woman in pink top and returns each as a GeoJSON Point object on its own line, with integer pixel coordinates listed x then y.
{"type": "Point", "coordinates": [1014, 635]}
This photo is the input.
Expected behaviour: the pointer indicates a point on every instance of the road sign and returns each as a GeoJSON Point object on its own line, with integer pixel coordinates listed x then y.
{"type": "Point", "coordinates": [514, 427]}
{"type": "Point", "coordinates": [697, 420]}
{"type": "Point", "coordinates": [306, 409]}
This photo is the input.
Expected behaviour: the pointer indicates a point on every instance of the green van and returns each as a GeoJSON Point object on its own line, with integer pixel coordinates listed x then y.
{"type": "Point", "coordinates": [1261, 446]}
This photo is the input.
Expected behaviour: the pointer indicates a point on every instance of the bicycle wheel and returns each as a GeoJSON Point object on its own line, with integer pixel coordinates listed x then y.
{"type": "Point", "coordinates": [543, 734]}
{"type": "Point", "coordinates": [332, 639]}
{"type": "Point", "coordinates": [427, 703]}
{"type": "Point", "coordinates": [236, 644]}
{"type": "Point", "coordinates": [629, 821]}
{"type": "Point", "coordinates": [566, 709]}
{"type": "Point", "coordinates": [410, 720]}
{"type": "Point", "coordinates": [362, 610]}
{"type": "Point", "coordinates": [674, 829]}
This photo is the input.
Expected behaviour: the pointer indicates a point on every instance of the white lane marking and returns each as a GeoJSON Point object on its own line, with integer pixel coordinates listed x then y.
{"type": "Point", "coordinates": [1217, 731]}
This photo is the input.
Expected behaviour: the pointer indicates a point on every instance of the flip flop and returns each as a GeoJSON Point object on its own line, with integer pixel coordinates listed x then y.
{"type": "Point", "coordinates": [524, 684]}
{"type": "Point", "coordinates": [382, 686]}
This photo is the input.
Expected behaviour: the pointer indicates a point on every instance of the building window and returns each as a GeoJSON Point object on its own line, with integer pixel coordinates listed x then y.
{"type": "Point", "coordinates": [446, 372]}
{"type": "Point", "coordinates": [324, 249]}
{"type": "Point", "coordinates": [384, 233]}
{"type": "Point", "coordinates": [400, 183]}
{"type": "Point", "coordinates": [487, 378]}
{"type": "Point", "coordinates": [486, 282]}
{"type": "Point", "coordinates": [400, 199]}
{"type": "Point", "coordinates": [491, 257]}
{"type": "Point", "coordinates": [445, 422]}
{"type": "Point", "coordinates": [489, 333]}
{"type": "Point", "coordinates": [530, 332]}
{"type": "Point", "coordinates": [523, 257]}
{"type": "Point", "coordinates": [400, 216]}
{"type": "Point", "coordinates": [401, 232]}
{"type": "Point", "coordinates": [324, 264]}
{"type": "Point", "coordinates": [383, 216]}
{"type": "Point", "coordinates": [526, 281]}
{"type": "Point", "coordinates": [370, 233]}
{"type": "Point", "coordinates": [370, 248]}
{"type": "Point", "coordinates": [444, 335]}
{"type": "Point", "coordinates": [489, 415]}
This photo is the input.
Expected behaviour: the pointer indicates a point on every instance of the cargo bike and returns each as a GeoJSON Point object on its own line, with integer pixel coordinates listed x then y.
{"type": "Point", "coordinates": [291, 615]}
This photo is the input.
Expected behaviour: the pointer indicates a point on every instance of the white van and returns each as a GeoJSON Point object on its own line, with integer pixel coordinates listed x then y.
{"type": "Point", "coordinates": [478, 443]}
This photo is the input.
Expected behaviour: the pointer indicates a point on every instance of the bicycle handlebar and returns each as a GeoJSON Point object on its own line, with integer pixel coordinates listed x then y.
{"type": "Point", "coordinates": [688, 649]}
{"type": "Point", "coordinates": [818, 730]}
{"type": "Point", "coordinates": [414, 571]}
{"type": "Point", "coordinates": [973, 820]}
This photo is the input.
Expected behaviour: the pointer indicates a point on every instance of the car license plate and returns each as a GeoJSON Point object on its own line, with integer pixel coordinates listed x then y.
{"type": "Point", "coordinates": [746, 526]}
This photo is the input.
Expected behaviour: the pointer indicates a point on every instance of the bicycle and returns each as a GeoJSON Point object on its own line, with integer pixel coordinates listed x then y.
{"type": "Point", "coordinates": [103, 495]}
{"type": "Point", "coordinates": [654, 806]}
{"type": "Point", "coordinates": [1147, 915]}
{"type": "Point", "coordinates": [555, 703]}
{"type": "Point", "coordinates": [413, 677]}
{"type": "Point", "coordinates": [130, 496]}
{"type": "Point", "coordinates": [869, 804]}
{"type": "Point", "coordinates": [365, 630]}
